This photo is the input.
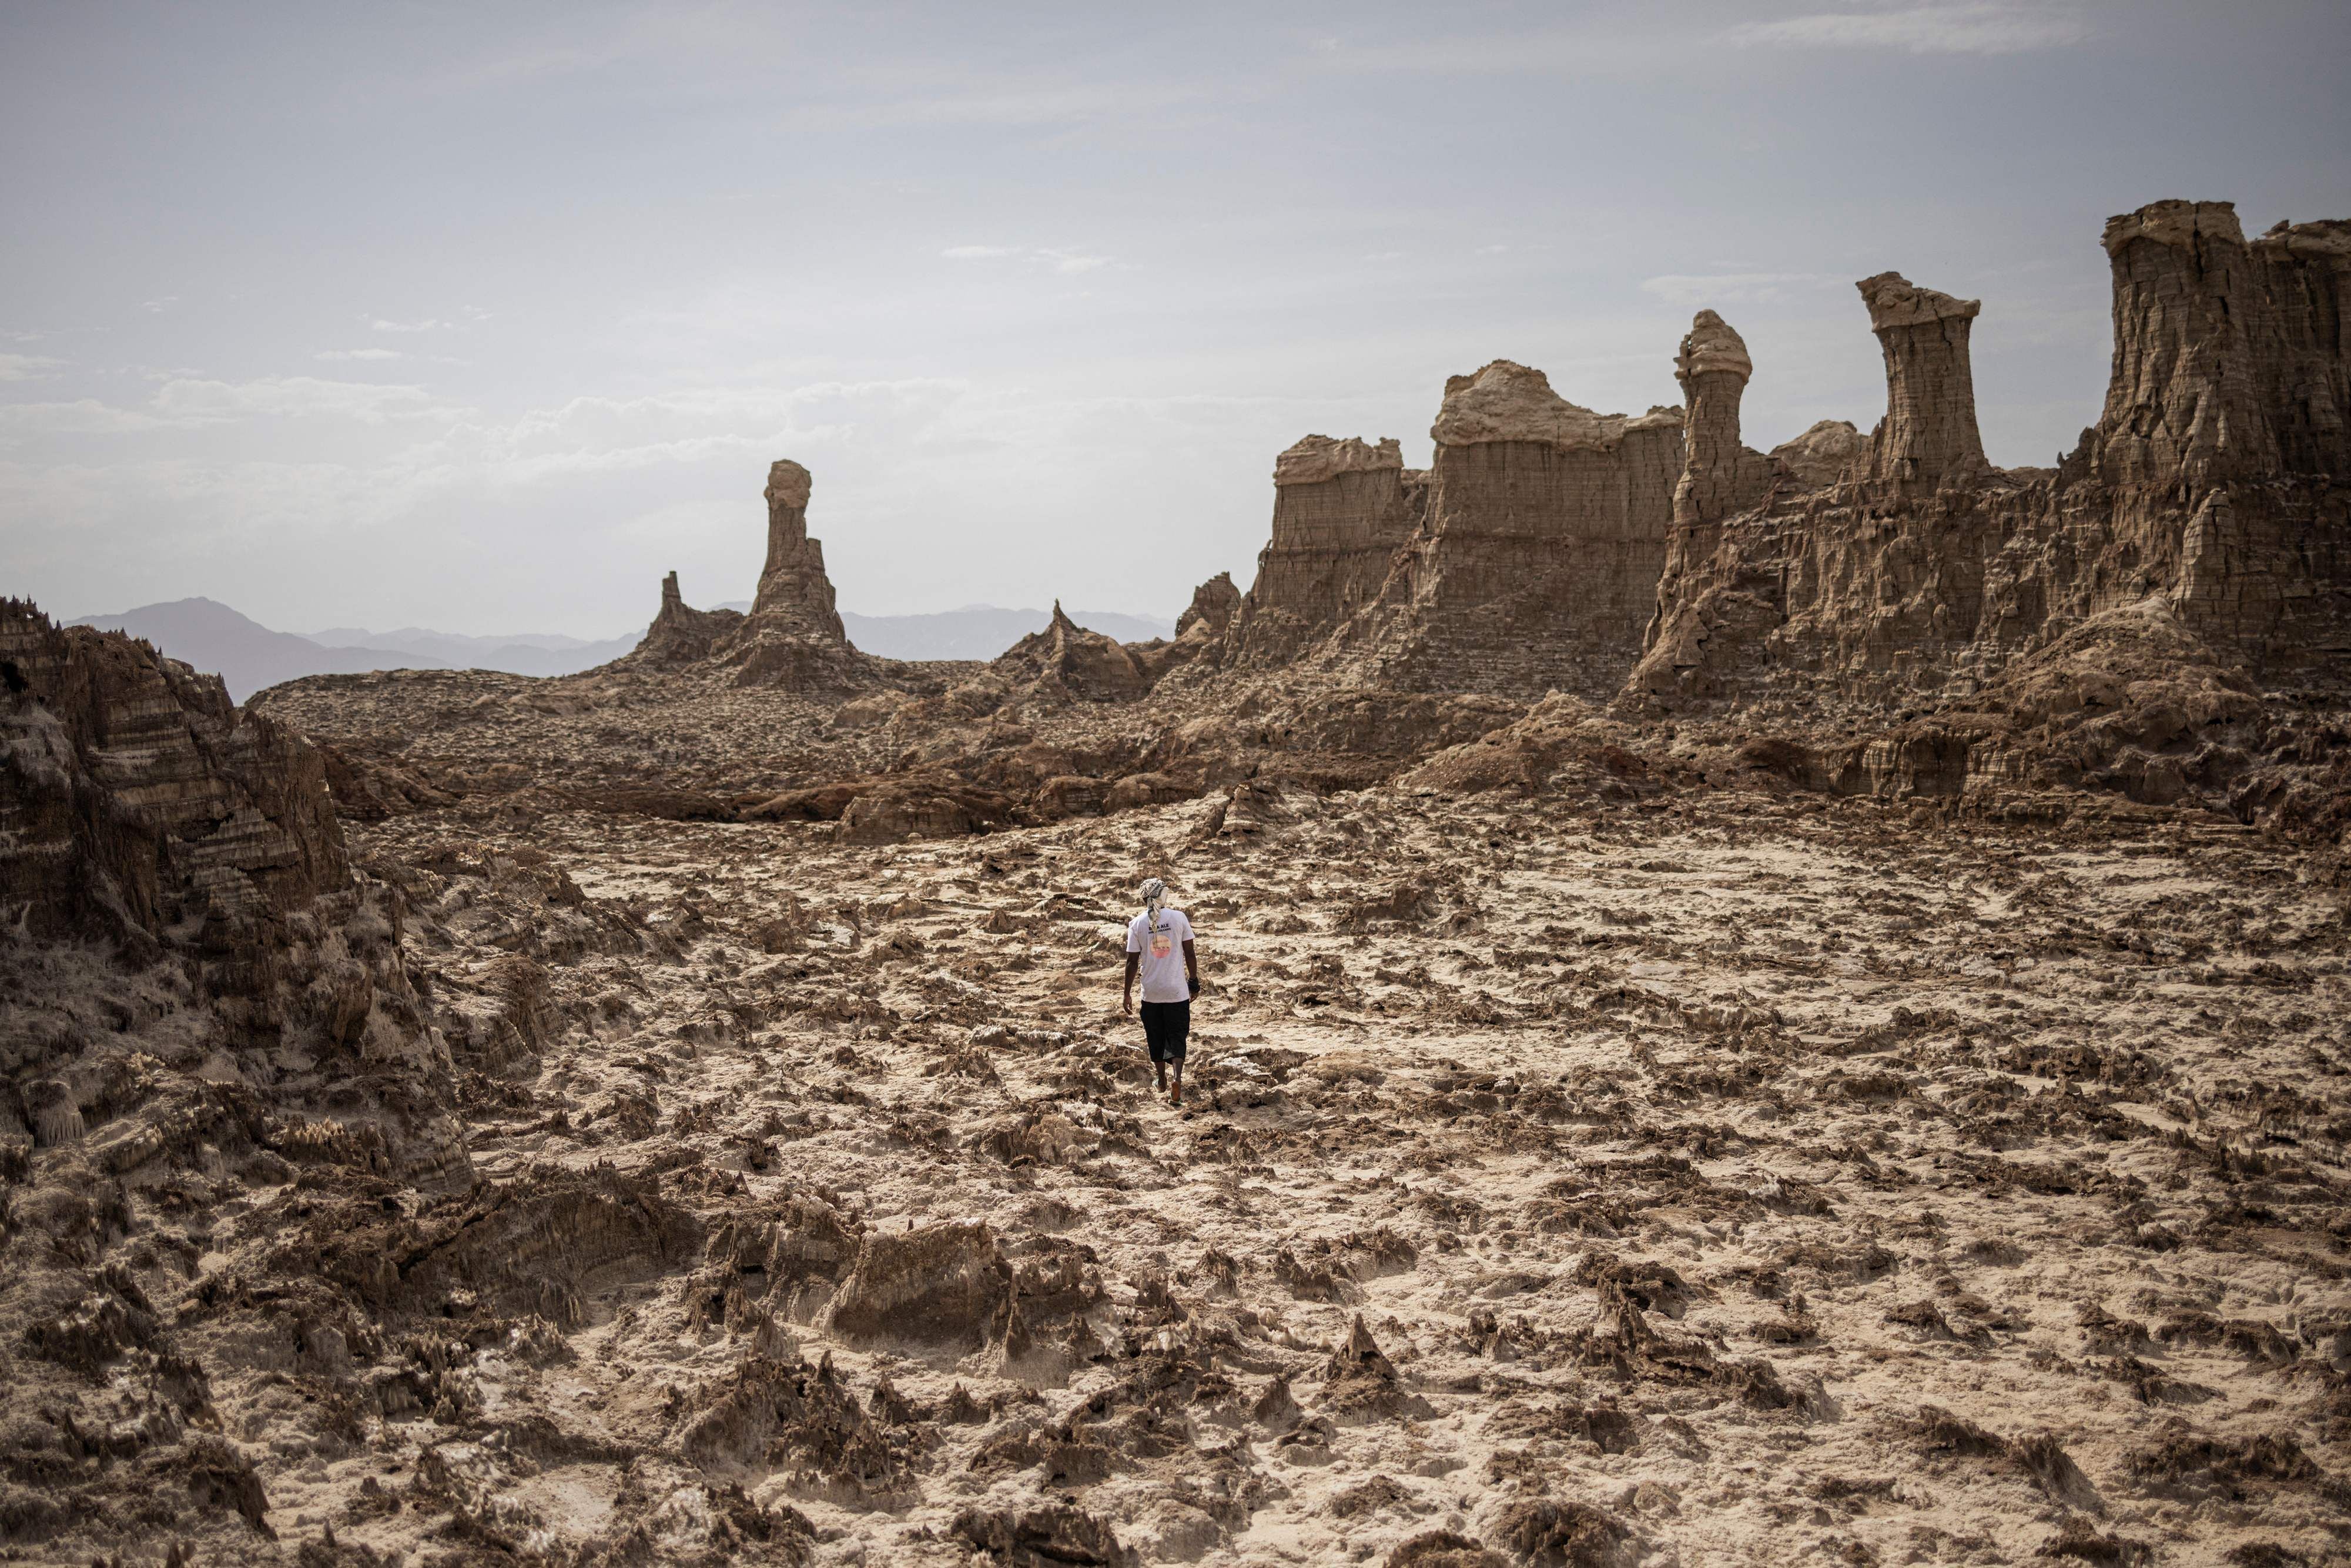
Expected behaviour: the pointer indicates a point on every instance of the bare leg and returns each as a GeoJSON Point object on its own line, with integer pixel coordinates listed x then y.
{"type": "Point", "coordinates": [1178, 1097]}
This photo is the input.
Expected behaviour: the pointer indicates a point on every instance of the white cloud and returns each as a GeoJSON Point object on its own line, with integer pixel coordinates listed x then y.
{"type": "Point", "coordinates": [378, 323]}
{"type": "Point", "coordinates": [1728, 288]}
{"type": "Point", "coordinates": [1956, 30]}
{"type": "Point", "coordinates": [358, 354]}
{"type": "Point", "coordinates": [191, 402]}
{"type": "Point", "coordinates": [83, 416]}
{"type": "Point", "coordinates": [1072, 261]}
{"type": "Point", "coordinates": [25, 367]}
{"type": "Point", "coordinates": [209, 402]}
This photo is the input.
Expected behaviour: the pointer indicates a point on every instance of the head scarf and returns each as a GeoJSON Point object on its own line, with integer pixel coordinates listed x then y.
{"type": "Point", "coordinates": [1154, 893]}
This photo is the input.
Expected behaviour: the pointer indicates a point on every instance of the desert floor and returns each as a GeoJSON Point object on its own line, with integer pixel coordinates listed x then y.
{"type": "Point", "coordinates": [1722, 1183]}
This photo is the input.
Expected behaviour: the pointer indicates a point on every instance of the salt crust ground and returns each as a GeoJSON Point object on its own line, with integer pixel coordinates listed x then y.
{"type": "Point", "coordinates": [1721, 1185]}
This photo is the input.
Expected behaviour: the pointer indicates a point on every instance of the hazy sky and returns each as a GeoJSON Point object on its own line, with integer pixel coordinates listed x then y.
{"type": "Point", "coordinates": [483, 317]}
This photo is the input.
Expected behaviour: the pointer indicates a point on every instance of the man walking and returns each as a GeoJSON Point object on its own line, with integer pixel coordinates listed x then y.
{"type": "Point", "coordinates": [1168, 986]}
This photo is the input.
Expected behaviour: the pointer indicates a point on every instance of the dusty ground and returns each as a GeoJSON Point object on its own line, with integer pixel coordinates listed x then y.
{"type": "Point", "coordinates": [1736, 1184]}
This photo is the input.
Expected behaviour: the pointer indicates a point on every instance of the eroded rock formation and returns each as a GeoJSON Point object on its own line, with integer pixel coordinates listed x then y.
{"type": "Point", "coordinates": [1538, 564]}
{"type": "Point", "coordinates": [681, 634]}
{"type": "Point", "coordinates": [139, 803]}
{"type": "Point", "coordinates": [2213, 482]}
{"type": "Point", "coordinates": [1066, 661]}
{"type": "Point", "coordinates": [1719, 475]}
{"type": "Point", "coordinates": [2229, 357]}
{"type": "Point", "coordinates": [1341, 508]}
{"type": "Point", "coordinates": [198, 992]}
{"type": "Point", "coordinates": [1214, 604]}
{"type": "Point", "coordinates": [1929, 437]}
{"type": "Point", "coordinates": [792, 638]}
{"type": "Point", "coordinates": [795, 596]}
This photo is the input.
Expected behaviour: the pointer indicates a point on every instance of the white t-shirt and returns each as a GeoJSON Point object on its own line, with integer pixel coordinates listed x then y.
{"type": "Point", "coordinates": [1162, 950]}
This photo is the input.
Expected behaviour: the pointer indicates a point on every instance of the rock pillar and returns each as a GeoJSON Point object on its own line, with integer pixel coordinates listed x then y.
{"type": "Point", "coordinates": [1929, 437]}
{"type": "Point", "coordinates": [795, 595]}
{"type": "Point", "coordinates": [1720, 476]}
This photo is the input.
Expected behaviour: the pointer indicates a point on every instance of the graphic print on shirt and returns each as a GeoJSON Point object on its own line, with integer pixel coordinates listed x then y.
{"type": "Point", "coordinates": [1156, 945]}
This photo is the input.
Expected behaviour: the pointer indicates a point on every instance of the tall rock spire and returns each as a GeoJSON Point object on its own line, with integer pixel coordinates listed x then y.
{"type": "Point", "coordinates": [795, 595]}
{"type": "Point", "coordinates": [1928, 438]}
{"type": "Point", "coordinates": [1720, 476]}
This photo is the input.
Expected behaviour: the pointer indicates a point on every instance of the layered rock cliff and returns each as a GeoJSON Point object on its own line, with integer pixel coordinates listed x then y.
{"type": "Point", "coordinates": [202, 1004]}
{"type": "Point", "coordinates": [1341, 508]}
{"type": "Point", "coordinates": [2214, 482]}
{"type": "Point", "coordinates": [139, 809]}
{"type": "Point", "coordinates": [1537, 566]}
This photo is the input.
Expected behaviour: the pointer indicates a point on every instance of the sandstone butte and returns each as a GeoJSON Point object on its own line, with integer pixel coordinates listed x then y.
{"type": "Point", "coordinates": [1783, 1006]}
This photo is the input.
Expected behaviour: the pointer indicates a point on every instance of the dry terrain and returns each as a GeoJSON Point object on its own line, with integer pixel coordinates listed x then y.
{"type": "Point", "coordinates": [1705, 1185]}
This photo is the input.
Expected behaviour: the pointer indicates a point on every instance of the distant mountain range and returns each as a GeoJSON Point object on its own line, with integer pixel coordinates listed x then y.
{"type": "Point", "coordinates": [249, 656]}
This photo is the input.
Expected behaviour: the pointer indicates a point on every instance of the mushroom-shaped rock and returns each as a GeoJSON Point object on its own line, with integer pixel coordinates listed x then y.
{"type": "Point", "coordinates": [1719, 476]}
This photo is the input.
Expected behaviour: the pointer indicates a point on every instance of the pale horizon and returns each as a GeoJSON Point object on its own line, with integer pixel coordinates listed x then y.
{"type": "Point", "coordinates": [483, 322]}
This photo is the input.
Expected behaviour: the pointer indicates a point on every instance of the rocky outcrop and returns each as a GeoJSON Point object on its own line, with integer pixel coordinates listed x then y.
{"type": "Point", "coordinates": [1537, 566]}
{"type": "Point", "coordinates": [138, 809]}
{"type": "Point", "coordinates": [2213, 481]}
{"type": "Point", "coordinates": [795, 596]}
{"type": "Point", "coordinates": [1067, 663]}
{"type": "Point", "coordinates": [1720, 476]}
{"type": "Point", "coordinates": [1824, 452]}
{"type": "Point", "coordinates": [1340, 510]}
{"type": "Point", "coordinates": [200, 998]}
{"type": "Point", "coordinates": [2229, 359]}
{"type": "Point", "coordinates": [1214, 604]}
{"type": "Point", "coordinates": [137, 800]}
{"type": "Point", "coordinates": [1929, 437]}
{"type": "Point", "coordinates": [681, 634]}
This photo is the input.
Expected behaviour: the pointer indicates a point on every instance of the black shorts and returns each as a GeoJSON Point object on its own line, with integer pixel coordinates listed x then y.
{"type": "Point", "coordinates": [1167, 1026]}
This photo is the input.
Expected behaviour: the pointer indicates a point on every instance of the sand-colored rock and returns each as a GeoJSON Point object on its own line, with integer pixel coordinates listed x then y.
{"type": "Point", "coordinates": [1537, 566]}
{"type": "Point", "coordinates": [680, 635]}
{"type": "Point", "coordinates": [1719, 475]}
{"type": "Point", "coordinates": [1214, 604]}
{"type": "Point", "coordinates": [1067, 663]}
{"type": "Point", "coordinates": [1823, 453]}
{"type": "Point", "coordinates": [795, 596]}
{"type": "Point", "coordinates": [1932, 572]}
{"type": "Point", "coordinates": [1341, 511]}
{"type": "Point", "coordinates": [1928, 438]}
{"type": "Point", "coordinates": [1508, 401]}
{"type": "Point", "coordinates": [943, 1283]}
{"type": "Point", "coordinates": [2229, 357]}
